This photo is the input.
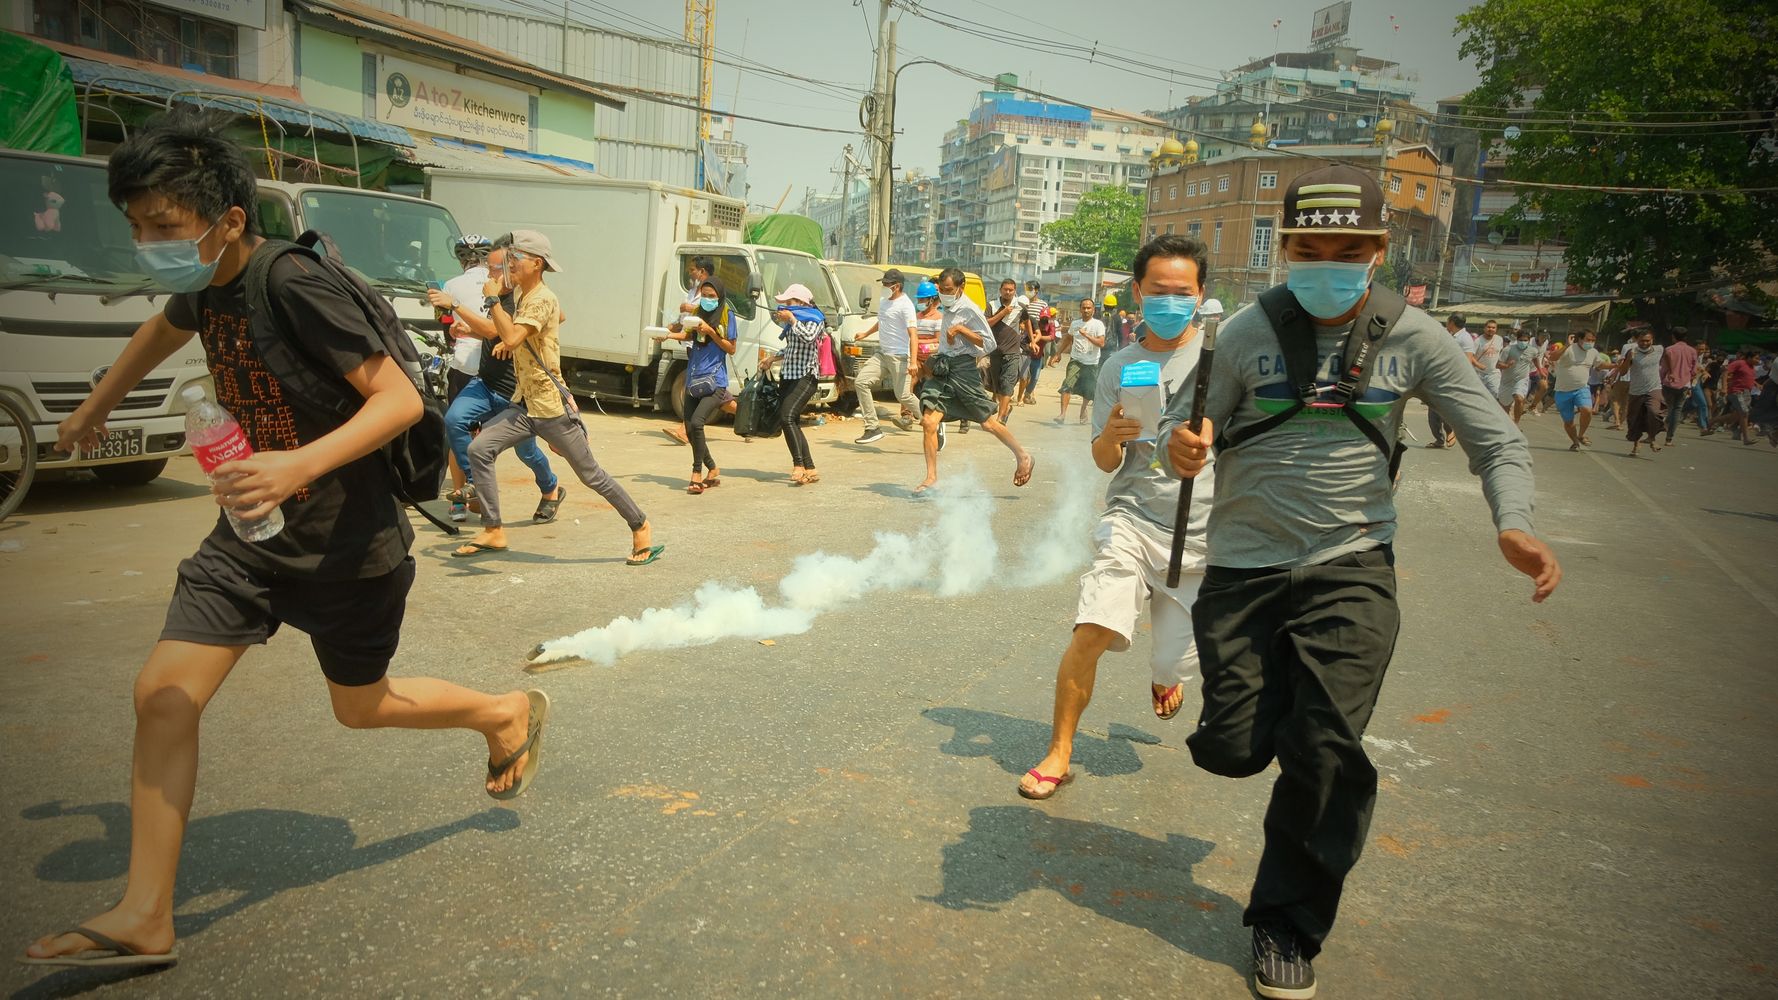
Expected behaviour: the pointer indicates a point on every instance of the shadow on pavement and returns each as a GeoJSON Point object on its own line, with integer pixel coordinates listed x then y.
{"type": "Point", "coordinates": [246, 857]}
{"type": "Point", "coordinates": [78, 492]}
{"type": "Point", "coordinates": [1120, 875]}
{"type": "Point", "coordinates": [1755, 515]}
{"type": "Point", "coordinates": [1017, 744]}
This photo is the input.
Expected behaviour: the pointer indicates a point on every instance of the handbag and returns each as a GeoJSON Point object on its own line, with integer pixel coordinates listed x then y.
{"type": "Point", "coordinates": [756, 410]}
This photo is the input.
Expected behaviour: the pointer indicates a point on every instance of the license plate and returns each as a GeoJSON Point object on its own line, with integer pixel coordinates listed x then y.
{"type": "Point", "coordinates": [123, 443]}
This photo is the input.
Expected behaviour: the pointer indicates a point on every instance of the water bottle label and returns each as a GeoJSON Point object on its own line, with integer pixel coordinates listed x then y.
{"type": "Point", "coordinates": [229, 449]}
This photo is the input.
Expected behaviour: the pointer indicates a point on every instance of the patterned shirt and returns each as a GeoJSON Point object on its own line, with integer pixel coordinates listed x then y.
{"type": "Point", "coordinates": [802, 351]}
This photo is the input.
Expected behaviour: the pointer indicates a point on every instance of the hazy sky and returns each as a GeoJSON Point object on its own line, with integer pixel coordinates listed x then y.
{"type": "Point", "coordinates": [832, 41]}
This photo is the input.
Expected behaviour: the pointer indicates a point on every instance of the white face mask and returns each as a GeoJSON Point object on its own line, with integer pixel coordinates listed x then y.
{"type": "Point", "coordinates": [946, 301]}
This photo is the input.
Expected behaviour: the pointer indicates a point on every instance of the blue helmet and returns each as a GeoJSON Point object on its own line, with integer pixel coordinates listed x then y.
{"type": "Point", "coordinates": [926, 290]}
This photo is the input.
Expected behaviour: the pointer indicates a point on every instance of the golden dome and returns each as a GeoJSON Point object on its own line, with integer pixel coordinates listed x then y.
{"type": "Point", "coordinates": [1172, 147]}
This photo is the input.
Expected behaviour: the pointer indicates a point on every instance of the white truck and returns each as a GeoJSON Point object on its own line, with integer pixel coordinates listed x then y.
{"type": "Point", "coordinates": [71, 296]}
{"type": "Point", "coordinates": [625, 248]}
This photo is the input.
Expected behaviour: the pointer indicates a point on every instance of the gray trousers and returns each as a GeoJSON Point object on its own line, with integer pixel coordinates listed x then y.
{"type": "Point", "coordinates": [567, 435]}
{"type": "Point", "coordinates": [877, 370]}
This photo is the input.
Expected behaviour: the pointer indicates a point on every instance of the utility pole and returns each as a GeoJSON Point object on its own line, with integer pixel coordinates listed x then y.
{"type": "Point", "coordinates": [845, 205]}
{"type": "Point", "coordinates": [881, 124]}
{"type": "Point", "coordinates": [700, 30]}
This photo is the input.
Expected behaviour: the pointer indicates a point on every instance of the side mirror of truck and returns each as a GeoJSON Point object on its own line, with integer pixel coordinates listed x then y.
{"type": "Point", "coordinates": [863, 297]}
{"type": "Point", "coordinates": [754, 289]}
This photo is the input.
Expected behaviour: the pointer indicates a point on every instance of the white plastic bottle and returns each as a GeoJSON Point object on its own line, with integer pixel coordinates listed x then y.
{"type": "Point", "coordinates": [216, 438]}
{"type": "Point", "coordinates": [1139, 391]}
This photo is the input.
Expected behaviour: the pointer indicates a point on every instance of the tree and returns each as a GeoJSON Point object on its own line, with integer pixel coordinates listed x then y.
{"type": "Point", "coordinates": [1636, 93]}
{"type": "Point", "coordinates": [1107, 221]}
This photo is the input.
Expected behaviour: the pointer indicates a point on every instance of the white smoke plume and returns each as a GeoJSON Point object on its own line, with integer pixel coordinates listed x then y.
{"type": "Point", "coordinates": [954, 556]}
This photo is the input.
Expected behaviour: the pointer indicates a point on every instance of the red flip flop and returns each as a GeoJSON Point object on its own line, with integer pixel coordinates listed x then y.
{"type": "Point", "coordinates": [1042, 779]}
{"type": "Point", "coordinates": [1159, 701]}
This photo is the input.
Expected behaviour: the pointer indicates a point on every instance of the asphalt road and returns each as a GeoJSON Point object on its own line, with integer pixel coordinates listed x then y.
{"type": "Point", "coordinates": [1578, 797]}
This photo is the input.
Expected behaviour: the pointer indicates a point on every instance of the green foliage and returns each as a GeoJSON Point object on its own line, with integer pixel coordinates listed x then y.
{"type": "Point", "coordinates": [1107, 221]}
{"type": "Point", "coordinates": [1625, 63]}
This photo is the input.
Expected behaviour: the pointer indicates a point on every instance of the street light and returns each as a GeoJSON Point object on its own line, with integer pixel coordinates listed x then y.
{"type": "Point", "coordinates": [888, 141]}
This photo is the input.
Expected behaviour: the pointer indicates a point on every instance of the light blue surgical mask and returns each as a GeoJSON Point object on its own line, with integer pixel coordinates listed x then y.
{"type": "Point", "coordinates": [1328, 288]}
{"type": "Point", "coordinates": [1169, 315]}
{"type": "Point", "coordinates": [709, 305]}
{"type": "Point", "coordinates": [177, 265]}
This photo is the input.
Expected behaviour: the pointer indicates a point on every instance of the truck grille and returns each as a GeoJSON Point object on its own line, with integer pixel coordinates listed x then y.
{"type": "Point", "coordinates": [66, 397]}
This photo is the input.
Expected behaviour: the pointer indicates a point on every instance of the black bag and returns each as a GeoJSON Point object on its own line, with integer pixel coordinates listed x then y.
{"type": "Point", "coordinates": [756, 410]}
{"type": "Point", "coordinates": [416, 457]}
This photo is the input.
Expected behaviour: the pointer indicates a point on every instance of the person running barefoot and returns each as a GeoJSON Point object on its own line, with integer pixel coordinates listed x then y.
{"type": "Point", "coordinates": [953, 385]}
{"type": "Point", "coordinates": [338, 569]}
{"type": "Point", "coordinates": [1133, 540]}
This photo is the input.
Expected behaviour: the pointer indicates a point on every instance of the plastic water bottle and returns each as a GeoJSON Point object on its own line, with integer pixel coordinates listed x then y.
{"type": "Point", "coordinates": [216, 438]}
{"type": "Point", "coordinates": [1139, 391]}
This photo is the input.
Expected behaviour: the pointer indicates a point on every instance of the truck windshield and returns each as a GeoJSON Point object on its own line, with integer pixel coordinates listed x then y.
{"type": "Point", "coordinates": [781, 270]}
{"type": "Point", "coordinates": [59, 229]}
{"type": "Point", "coordinates": [855, 276]}
{"type": "Point", "coordinates": [391, 241]}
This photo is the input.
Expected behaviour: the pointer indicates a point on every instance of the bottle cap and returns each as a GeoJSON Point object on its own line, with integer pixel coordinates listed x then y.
{"type": "Point", "coordinates": [1141, 373]}
{"type": "Point", "coordinates": [194, 393]}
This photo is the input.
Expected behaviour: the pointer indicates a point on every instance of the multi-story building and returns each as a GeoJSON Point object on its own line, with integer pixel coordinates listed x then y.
{"type": "Point", "coordinates": [913, 218]}
{"type": "Point", "coordinates": [844, 222]}
{"type": "Point", "coordinates": [1016, 163]}
{"type": "Point", "coordinates": [725, 162]}
{"type": "Point", "coordinates": [1235, 203]}
{"type": "Point", "coordinates": [1333, 96]}
{"type": "Point", "coordinates": [338, 88]}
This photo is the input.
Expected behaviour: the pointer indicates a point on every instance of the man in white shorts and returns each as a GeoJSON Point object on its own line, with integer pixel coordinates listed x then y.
{"type": "Point", "coordinates": [1516, 362]}
{"type": "Point", "coordinates": [1134, 537]}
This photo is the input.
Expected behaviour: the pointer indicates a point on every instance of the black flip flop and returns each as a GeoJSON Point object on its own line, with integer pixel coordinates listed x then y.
{"type": "Point", "coordinates": [472, 549]}
{"type": "Point", "coordinates": [546, 508]}
{"type": "Point", "coordinates": [111, 954]}
{"type": "Point", "coordinates": [533, 745]}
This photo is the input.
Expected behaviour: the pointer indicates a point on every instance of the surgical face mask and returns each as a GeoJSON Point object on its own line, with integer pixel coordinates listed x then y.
{"type": "Point", "coordinates": [946, 300]}
{"type": "Point", "coordinates": [1328, 288]}
{"type": "Point", "coordinates": [177, 265]}
{"type": "Point", "coordinates": [1169, 315]}
{"type": "Point", "coordinates": [926, 304]}
{"type": "Point", "coordinates": [709, 305]}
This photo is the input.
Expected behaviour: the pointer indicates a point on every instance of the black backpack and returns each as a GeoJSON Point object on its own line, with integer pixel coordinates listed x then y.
{"type": "Point", "coordinates": [416, 457]}
{"type": "Point", "coordinates": [1296, 336]}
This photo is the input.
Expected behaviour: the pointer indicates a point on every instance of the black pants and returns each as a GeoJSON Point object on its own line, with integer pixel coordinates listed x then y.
{"type": "Point", "coordinates": [1292, 662]}
{"type": "Point", "coordinates": [796, 399]}
{"type": "Point", "coordinates": [698, 412]}
{"type": "Point", "coordinates": [1437, 425]}
{"type": "Point", "coordinates": [1674, 400]}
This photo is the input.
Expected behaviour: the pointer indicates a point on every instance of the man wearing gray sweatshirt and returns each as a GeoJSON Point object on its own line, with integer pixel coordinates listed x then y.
{"type": "Point", "coordinates": [1296, 618]}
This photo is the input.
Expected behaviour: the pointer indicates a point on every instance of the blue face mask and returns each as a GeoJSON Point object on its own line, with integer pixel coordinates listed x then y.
{"type": "Point", "coordinates": [1328, 288]}
{"type": "Point", "coordinates": [176, 265]}
{"type": "Point", "coordinates": [709, 305]}
{"type": "Point", "coordinates": [1168, 315]}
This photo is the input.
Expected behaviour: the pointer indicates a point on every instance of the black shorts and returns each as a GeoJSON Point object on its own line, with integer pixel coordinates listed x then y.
{"type": "Point", "coordinates": [1004, 373]}
{"type": "Point", "coordinates": [354, 625]}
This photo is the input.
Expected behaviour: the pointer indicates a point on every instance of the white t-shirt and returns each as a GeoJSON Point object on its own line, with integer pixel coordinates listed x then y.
{"type": "Point", "coordinates": [1466, 341]}
{"type": "Point", "coordinates": [466, 290]}
{"type": "Point", "coordinates": [1085, 351]}
{"type": "Point", "coordinates": [894, 317]}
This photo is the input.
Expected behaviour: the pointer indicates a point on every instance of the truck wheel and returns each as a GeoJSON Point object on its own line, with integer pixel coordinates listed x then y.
{"type": "Point", "coordinates": [131, 473]}
{"type": "Point", "coordinates": [677, 394]}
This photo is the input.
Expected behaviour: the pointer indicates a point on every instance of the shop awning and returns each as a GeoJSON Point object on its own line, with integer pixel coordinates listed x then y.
{"type": "Point", "coordinates": [476, 158]}
{"type": "Point", "coordinates": [1481, 310]}
{"type": "Point", "coordinates": [90, 75]}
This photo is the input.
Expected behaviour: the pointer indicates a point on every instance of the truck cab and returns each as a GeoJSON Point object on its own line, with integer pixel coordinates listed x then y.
{"type": "Point", "coordinates": [70, 298]}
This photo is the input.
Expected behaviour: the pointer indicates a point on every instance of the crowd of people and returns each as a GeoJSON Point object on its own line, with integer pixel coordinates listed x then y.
{"type": "Point", "coordinates": [1645, 389]}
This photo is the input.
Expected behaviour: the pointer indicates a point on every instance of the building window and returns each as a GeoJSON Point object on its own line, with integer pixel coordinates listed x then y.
{"type": "Point", "coordinates": [1268, 182]}
{"type": "Point", "coordinates": [1151, 232]}
{"type": "Point", "coordinates": [1172, 192]}
{"type": "Point", "coordinates": [1394, 183]}
{"type": "Point", "coordinates": [1444, 199]}
{"type": "Point", "coordinates": [1222, 183]}
{"type": "Point", "coordinates": [1216, 238]}
{"type": "Point", "coordinates": [1154, 194]}
{"type": "Point", "coordinates": [1195, 230]}
{"type": "Point", "coordinates": [141, 31]}
{"type": "Point", "coordinates": [1419, 192]}
{"type": "Point", "coordinates": [1261, 254]}
{"type": "Point", "coordinates": [1169, 229]}
{"type": "Point", "coordinates": [1191, 190]}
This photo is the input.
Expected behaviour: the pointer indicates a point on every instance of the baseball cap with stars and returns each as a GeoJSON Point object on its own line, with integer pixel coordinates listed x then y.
{"type": "Point", "coordinates": [1336, 199]}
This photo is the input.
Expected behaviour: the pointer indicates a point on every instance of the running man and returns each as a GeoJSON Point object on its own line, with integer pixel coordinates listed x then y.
{"type": "Point", "coordinates": [339, 570]}
{"type": "Point", "coordinates": [1086, 340]}
{"type": "Point", "coordinates": [893, 361]}
{"type": "Point", "coordinates": [1134, 536]}
{"type": "Point", "coordinates": [1516, 362]}
{"type": "Point", "coordinates": [1575, 368]}
{"type": "Point", "coordinates": [952, 389]}
{"type": "Point", "coordinates": [1296, 618]}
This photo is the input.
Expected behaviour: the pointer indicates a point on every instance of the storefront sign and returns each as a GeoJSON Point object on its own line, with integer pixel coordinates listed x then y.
{"type": "Point", "coordinates": [248, 13]}
{"type": "Point", "coordinates": [434, 99]}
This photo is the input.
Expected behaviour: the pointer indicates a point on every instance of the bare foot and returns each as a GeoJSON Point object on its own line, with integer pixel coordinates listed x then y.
{"type": "Point", "coordinates": [1055, 765]}
{"type": "Point", "coordinates": [928, 483]}
{"type": "Point", "coordinates": [642, 537]}
{"type": "Point", "coordinates": [149, 936]}
{"type": "Point", "coordinates": [503, 741]}
{"type": "Point", "coordinates": [1166, 701]}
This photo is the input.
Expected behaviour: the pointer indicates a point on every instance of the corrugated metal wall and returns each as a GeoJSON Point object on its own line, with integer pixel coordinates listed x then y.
{"type": "Point", "coordinates": [645, 141]}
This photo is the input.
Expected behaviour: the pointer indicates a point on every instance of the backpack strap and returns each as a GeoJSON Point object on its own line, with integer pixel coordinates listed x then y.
{"type": "Point", "coordinates": [316, 387]}
{"type": "Point", "coordinates": [1297, 339]}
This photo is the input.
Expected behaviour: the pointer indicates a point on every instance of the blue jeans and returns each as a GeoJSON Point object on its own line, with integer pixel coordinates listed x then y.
{"type": "Point", "coordinates": [1703, 407]}
{"type": "Point", "coordinates": [477, 404]}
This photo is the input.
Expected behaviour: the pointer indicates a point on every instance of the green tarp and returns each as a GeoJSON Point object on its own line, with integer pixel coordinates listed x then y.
{"type": "Point", "coordinates": [36, 99]}
{"type": "Point", "coordinates": [792, 232]}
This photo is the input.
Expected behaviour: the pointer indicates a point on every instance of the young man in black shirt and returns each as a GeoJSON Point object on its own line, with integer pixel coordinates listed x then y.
{"type": "Point", "coordinates": [338, 571]}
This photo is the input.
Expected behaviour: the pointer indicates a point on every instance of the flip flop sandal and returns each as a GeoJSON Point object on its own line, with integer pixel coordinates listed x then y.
{"type": "Point", "coordinates": [1043, 779]}
{"type": "Point", "coordinates": [696, 488]}
{"type": "Point", "coordinates": [642, 557]}
{"type": "Point", "coordinates": [533, 745]}
{"type": "Point", "coordinates": [1158, 702]}
{"type": "Point", "coordinates": [810, 479]}
{"type": "Point", "coordinates": [470, 549]}
{"type": "Point", "coordinates": [712, 481]}
{"type": "Point", "coordinates": [1032, 471]}
{"type": "Point", "coordinates": [546, 508]}
{"type": "Point", "coordinates": [110, 954]}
